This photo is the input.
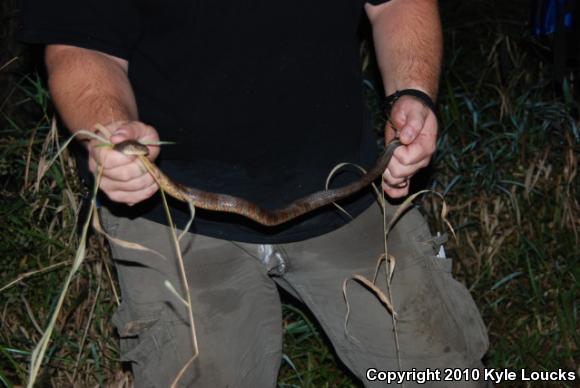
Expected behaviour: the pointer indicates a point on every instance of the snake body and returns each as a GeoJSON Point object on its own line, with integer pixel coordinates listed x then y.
{"type": "Point", "coordinates": [232, 204]}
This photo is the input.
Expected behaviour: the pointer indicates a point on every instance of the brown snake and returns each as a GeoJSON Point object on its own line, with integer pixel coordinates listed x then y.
{"type": "Point", "coordinates": [231, 204]}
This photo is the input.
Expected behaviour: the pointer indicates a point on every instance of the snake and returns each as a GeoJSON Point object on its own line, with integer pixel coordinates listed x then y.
{"type": "Point", "coordinates": [232, 204]}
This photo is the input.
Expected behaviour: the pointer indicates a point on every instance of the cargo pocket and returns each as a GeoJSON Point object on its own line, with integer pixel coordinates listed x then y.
{"type": "Point", "coordinates": [458, 303]}
{"type": "Point", "coordinates": [148, 343]}
{"type": "Point", "coordinates": [462, 309]}
{"type": "Point", "coordinates": [438, 322]}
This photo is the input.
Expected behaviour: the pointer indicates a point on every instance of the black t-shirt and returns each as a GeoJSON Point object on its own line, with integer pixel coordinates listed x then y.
{"type": "Point", "coordinates": [262, 98]}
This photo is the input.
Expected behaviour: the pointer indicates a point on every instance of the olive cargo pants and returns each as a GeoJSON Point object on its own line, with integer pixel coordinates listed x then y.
{"type": "Point", "coordinates": [237, 309]}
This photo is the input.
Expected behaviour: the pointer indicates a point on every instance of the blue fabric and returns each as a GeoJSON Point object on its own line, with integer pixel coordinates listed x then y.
{"type": "Point", "coordinates": [548, 16]}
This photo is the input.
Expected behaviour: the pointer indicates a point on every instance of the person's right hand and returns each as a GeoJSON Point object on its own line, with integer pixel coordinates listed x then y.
{"type": "Point", "coordinates": [124, 178]}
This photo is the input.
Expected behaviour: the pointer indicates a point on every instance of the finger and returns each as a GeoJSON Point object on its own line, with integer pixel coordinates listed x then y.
{"type": "Point", "coordinates": [108, 157]}
{"type": "Point", "coordinates": [394, 192]}
{"type": "Point", "coordinates": [422, 147]}
{"type": "Point", "coordinates": [125, 131]}
{"type": "Point", "coordinates": [414, 153]}
{"type": "Point", "coordinates": [409, 114]}
{"type": "Point", "coordinates": [132, 197]}
{"type": "Point", "coordinates": [126, 173]}
{"type": "Point", "coordinates": [400, 185]}
{"type": "Point", "coordinates": [138, 131]}
{"type": "Point", "coordinates": [400, 171]}
{"type": "Point", "coordinates": [393, 181]}
{"type": "Point", "coordinates": [98, 158]}
{"type": "Point", "coordinates": [136, 184]}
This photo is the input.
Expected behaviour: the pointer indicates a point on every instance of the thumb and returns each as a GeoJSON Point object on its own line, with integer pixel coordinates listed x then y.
{"type": "Point", "coordinates": [122, 133]}
{"type": "Point", "coordinates": [414, 121]}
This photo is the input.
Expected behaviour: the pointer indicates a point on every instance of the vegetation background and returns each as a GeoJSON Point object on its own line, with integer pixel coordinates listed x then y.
{"type": "Point", "coordinates": [507, 162]}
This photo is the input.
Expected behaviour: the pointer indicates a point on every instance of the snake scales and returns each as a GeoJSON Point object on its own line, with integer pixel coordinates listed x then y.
{"type": "Point", "coordinates": [231, 204]}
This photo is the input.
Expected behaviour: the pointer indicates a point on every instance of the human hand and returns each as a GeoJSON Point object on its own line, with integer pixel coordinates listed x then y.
{"type": "Point", "coordinates": [124, 179]}
{"type": "Point", "coordinates": [418, 134]}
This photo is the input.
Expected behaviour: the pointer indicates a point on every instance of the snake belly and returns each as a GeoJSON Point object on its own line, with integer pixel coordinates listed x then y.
{"type": "Point", "coordinates": [231, 204]}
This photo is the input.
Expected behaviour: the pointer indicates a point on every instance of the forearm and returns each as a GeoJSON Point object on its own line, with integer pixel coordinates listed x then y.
{"type": "Point", "coordinates": [89, 87]}
{"type": "Point", "coordinates": [408, 44]}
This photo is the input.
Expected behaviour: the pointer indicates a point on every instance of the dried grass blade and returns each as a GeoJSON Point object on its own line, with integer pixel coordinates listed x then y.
{"type": "Point", "coordinates": [14, 59]}
{"type": "Point", "coordinates": [123, 243]}
{"type": "Point", "coordinates": [183, 275]}
{"type": "Point", "coordinates": [170, 287]}
{"type": "Point", "coordinates": [30, 314]}
{"type": "Point", "coordinates": [377, 291]}
{"type": "Point", "coordinates": [331, 175]}
{"type": "Point", "coordinates": [29, 156]}
{"type": "Point", "coordinates": [112, 283]}
{"type": "Point", "coordinates": [371, 287]}
{"type": "Point", "coordinates": [104, 130]}
{"type": "Point", "coordinates": [409, 201]}
{"type": "Point", "coordinates": [87, 327]}
{"type": "Point", "coordinates": [444, 212]}
{"type": "Point", "coordinates": [32, 273]}
{"type": "Point", "coordinates": [347, 315]}
{"type": "Point", "coordinates": [378, 266]}
{"type": "Point", "coordinates": [391, 262]}
{"type": "Point", "coordinates": [402, 208]}
{"type": "Point", "coordinates": [44, 166]}
{"type": "Point", "coordinates": [191, 218]}
{"type": "Point", "coordinates": [182, 371]}
{"type": "Point", "coordinates": [39, 351]}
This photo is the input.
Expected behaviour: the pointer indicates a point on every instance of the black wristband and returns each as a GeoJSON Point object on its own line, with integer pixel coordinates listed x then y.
{"type": "Point", "coordinates": [389, 101]}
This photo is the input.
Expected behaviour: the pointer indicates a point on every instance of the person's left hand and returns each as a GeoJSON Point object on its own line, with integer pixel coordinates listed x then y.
{"type": "Point", "coordinates": [418, 134]}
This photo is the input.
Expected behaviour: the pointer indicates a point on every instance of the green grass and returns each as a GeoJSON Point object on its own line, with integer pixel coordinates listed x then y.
{"type": "Point", "coordinates": [507, 162]}
{"type": "Point", "coordinates": [308, 360]}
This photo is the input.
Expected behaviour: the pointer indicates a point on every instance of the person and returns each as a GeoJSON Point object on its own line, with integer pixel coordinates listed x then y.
{"type": "Point", "coordinates": [262, 100]}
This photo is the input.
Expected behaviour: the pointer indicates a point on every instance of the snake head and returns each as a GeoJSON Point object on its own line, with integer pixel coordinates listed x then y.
{"type": "Point", "coordinates": [131, 147]}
